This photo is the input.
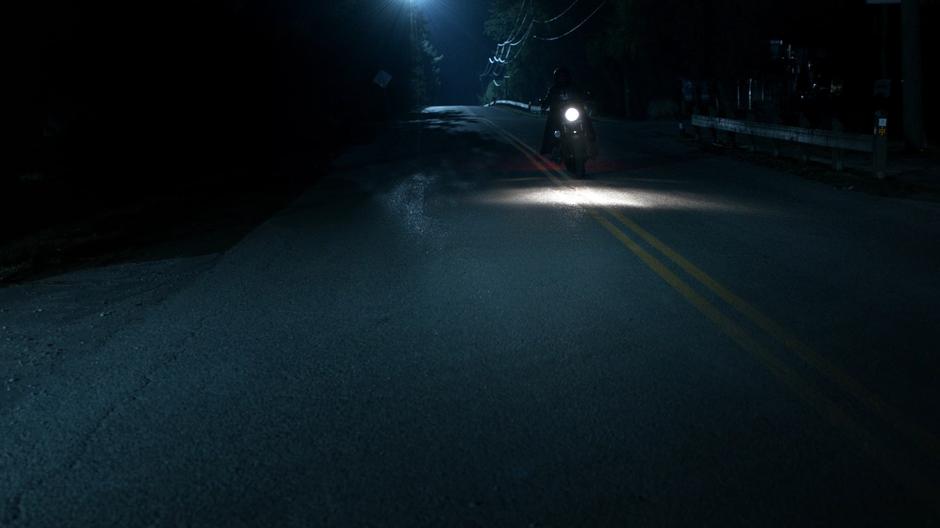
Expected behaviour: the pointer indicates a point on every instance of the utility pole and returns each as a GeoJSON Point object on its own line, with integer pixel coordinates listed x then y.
{"type": "Point", "coordinates": [883, 56]}
{"type": "Point", "coordinates": [412, 55]}
{"type": "Point", "coordinates": [912, 71]}
{"type": "Point", "coordinates": [414, 65]}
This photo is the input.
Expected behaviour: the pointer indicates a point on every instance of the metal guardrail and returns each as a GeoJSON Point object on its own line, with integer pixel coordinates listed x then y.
{"type": "Point", "coordinates": [837, 142]}
{"type": "Point", "coordinates": [529, 107]}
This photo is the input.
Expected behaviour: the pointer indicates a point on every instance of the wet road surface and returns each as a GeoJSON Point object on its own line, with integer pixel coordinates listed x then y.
{"type": "Point", "coordinates": [448, 330]}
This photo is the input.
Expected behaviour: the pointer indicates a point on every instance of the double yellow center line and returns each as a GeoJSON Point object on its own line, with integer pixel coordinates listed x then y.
{"type": "Point", "coordinates": [898, 466]}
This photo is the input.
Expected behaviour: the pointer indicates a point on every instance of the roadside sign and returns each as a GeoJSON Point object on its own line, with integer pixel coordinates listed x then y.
{"type": "Point", "coordinates": [382, 78]}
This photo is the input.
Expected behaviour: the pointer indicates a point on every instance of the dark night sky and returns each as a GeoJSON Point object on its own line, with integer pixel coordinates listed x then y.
{"type": "Point", "coordinates": [457, 32]}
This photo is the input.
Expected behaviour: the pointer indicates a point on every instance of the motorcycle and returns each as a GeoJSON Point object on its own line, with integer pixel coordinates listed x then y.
{"type": "Point", "coordinates": [573, 133]}
{"type": "Point", "coordinates": [573, 146]}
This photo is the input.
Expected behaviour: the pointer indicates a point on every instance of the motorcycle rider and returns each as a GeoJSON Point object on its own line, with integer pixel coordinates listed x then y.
{"type": "Point", "coordinates": [562, 91]}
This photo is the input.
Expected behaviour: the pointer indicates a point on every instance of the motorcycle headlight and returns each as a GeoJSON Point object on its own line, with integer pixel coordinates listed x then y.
{"type": "Point", "coordinates": [572, 115]}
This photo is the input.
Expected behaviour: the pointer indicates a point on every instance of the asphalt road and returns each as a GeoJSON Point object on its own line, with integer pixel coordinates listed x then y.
{"type": "Point", "coordinates": [446, 331]}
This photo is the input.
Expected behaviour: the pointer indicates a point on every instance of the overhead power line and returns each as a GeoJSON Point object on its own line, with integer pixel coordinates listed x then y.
{"type": "Point", "coordinates": [501, 48]}
{"type": "Point", "coordinates": [563, 13]}
{"type": "Point", "coordinates": [488, 70]}
{"type": "Point", "coordinates": [528, 31]}
{"type": "Point", "coordinates": [497, 65]}
{"type": "Point", "coordinates": [517, 25]}
{"type": "Point", "coordinates": [503, 55]}
{"type": "Point", "coordinates": [577, 27]}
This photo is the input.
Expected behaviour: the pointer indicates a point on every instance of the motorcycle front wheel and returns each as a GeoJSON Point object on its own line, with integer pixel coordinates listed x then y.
{"type": "Point", "coordinates": [579, 169]}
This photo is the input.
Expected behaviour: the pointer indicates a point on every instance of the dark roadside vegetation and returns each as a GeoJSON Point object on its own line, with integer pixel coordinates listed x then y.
{"type": "Point", "coordinates": [800, 63]}
{"type": "Point", "coordinates": [136, 125]}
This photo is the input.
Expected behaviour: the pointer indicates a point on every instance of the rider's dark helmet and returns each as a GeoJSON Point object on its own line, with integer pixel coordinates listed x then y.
{"type": "Point", "coordinates": [562, 75]}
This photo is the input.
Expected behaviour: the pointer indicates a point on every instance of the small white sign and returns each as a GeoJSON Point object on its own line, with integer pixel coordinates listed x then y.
{"type": "Point", "coordinates": [882, 121]}
{"type": "Point", "coordinates": [382, 78]}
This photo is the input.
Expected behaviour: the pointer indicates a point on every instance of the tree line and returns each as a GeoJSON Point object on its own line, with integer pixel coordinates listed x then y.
{"type": "Point", "coordinates": [117, 96]}
{"type": "Point", "coordinates": [641, 58]}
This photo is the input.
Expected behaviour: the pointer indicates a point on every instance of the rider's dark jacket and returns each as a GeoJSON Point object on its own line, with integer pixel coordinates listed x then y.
{"type": "Point", "coordinates": [555, 101]}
